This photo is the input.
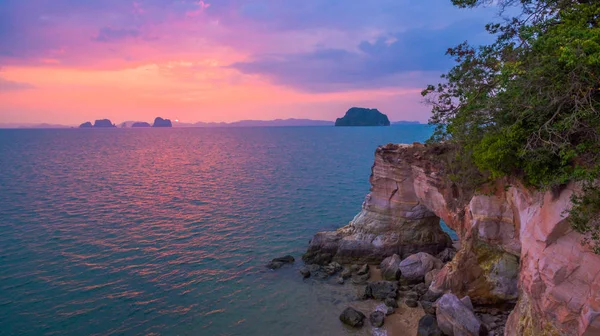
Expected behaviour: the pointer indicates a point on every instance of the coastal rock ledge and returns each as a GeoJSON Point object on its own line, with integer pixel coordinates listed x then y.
{"type": "Point", "coordinates": [516, 246]}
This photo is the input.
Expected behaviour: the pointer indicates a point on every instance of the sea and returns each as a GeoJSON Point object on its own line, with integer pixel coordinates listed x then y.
{"type": "Point", "coordinates": [168, 231]}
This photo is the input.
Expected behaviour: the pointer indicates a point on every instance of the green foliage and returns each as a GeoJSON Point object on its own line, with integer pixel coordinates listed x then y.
{"type": "Point", "coordinates": [585, 215]}
{"type": "Point", "coordinates": [529, 103]}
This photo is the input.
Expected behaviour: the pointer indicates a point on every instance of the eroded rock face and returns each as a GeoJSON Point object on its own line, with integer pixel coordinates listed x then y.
{"type": "Point", "coordinates": [515, 242]}
{"type": "Point", "coordinates": [393, 221]}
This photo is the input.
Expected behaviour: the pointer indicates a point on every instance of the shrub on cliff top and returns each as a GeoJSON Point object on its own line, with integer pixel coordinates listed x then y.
{"type": "Point", "coordinates": [529, 103]}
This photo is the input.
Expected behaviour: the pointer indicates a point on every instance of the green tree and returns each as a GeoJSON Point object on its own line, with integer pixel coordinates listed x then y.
{"type": "Point", "coordinates": [528, 104]}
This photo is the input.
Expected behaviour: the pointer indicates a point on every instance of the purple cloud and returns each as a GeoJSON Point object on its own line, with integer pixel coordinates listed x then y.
{"type": "Point", "coordinates": [110, 34]}
{"type": "Point", "coordinates": [387, 61]}
{"type": "Point", "coordinates": [312, 45]}
{"type": "Point", "coordinates": [7, 85]}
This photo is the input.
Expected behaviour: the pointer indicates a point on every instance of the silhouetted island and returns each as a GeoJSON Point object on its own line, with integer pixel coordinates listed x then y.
{"type": "Point", "coordinates": [103, 123]}
{"type": "Point", "coordinates": [160, 122]}
{"type": "Point", "coordinates": [141, 124]}
{"type": "Point", "coordinates": [86, 124]}
{"type": "Point", "coordinates": [358, 116]}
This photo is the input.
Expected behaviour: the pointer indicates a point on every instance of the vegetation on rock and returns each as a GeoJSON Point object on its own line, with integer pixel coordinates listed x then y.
{"type": "Point", "coordinates": [358, 116]}
{"type": "Point", "coordinates": [528, 104]}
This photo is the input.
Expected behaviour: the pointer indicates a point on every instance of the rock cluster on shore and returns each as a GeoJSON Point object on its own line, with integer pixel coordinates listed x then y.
{"type": "Point", "coordinates": [515, 248]}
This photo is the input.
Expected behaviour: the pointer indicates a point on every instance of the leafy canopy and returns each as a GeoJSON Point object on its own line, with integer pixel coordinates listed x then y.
{"type": "Point", "coordinates": [528, 104]}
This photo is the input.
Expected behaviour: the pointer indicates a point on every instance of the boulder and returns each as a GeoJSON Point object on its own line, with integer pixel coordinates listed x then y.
{"type": "Point", "coordinates": [416, 266]}
{"type": "Point", "coordinates": [467, 302]}
{"type": "Point", "coordinates": [352, 317]}
{"type": "Point", "coordinates": [411, 303]}
{"type": "Point", "coordinates": [288, 259]}
{"type": "Point", "coordinates": [279, 262]}
{"type": "Point", "coordinates": [381, 290]}
{"type": "Point", "coordinates": [364, 269]}
{"type": "Point", "coordinates": [305, 272]}
{"type": "Point", "coordinates": [447, 254]}
{"type": "Point", "coordinates": [391, 302]}
{"type": "Point", "coordinates": [455, 318]}
{"type": "Point", "coordinates": [431, 296]}
{"type": "Point", "coordinates": [428, 326]}
{"type": "Point", "coordinates": [376, 318]}
{"type": "Point", "coordinates": [428, 307]}
{"type": "Point", "coordinates": [390, 268]}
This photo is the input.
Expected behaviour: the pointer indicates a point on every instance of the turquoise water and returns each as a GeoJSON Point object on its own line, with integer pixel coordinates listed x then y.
{"type": "Point", "coordinates": [166, 231]}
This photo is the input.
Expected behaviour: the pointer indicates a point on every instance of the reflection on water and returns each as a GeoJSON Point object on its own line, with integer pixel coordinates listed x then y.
{"type": "Point", "coordinates": [166, 231]}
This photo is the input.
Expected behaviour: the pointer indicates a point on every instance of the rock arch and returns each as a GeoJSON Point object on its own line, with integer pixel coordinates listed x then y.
{"type": "Point", "coordinates": [515, 242]}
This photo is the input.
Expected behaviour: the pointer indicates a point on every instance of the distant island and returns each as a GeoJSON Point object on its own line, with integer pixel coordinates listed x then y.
{"type": "Point", "coordinates": [160, 122]}
{"type": "Point", "coordinates": [242, 123]}
{"type": "Point", "coordinates": [358, 116]}
{"type": "Point", "coordinates": [100, 123]}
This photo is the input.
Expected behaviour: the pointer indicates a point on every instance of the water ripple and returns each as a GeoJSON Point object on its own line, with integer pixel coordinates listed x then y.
{"type": "Point", "coordinates": [165, 232]}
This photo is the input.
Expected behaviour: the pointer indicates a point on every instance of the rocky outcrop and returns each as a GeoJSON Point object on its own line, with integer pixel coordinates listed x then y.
{"type": "Point", "coordinates": [394, 220]}
{"type": "Point", "coordinates": [140, 124]}
{"type": "Point", "coordinates": [86, 124]}
{"type": "Point", "coordinates": [279, 262]}
{"type": "Point", "coordinates": [515, 243]}
{"type": "Point", "coordinates": [358, 116]}
{"type": "Point", "coordinates": [160, 122]}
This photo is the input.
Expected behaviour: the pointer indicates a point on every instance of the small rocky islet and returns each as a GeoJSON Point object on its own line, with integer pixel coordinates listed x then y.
{"type": "Point", "coordinates": [106, 123]}
{"type": "Point", "coordinates": [360, 116]}
{"type": "Point", "coordinates": [509, 273]}
{"type": "Point", "coordinates": [100, 123]}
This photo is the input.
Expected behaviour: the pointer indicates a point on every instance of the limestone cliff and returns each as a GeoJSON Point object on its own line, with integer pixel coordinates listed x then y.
{"type": "Point", "coordinates": [515, 243]}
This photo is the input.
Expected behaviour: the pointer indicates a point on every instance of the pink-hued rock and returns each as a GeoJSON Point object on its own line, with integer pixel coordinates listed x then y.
{"type": "Point", "coordinates": [515, 243]}
{"type": "Point", "coordinates": [393, 221]}
{"type": "Point", "coordinates": [456, 318]}
{"type": "Point", "coordinates": [416, 266]}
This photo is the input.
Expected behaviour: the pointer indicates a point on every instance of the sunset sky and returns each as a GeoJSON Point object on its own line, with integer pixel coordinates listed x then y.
{"type": "Point", "coordinates": [69, 61]}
